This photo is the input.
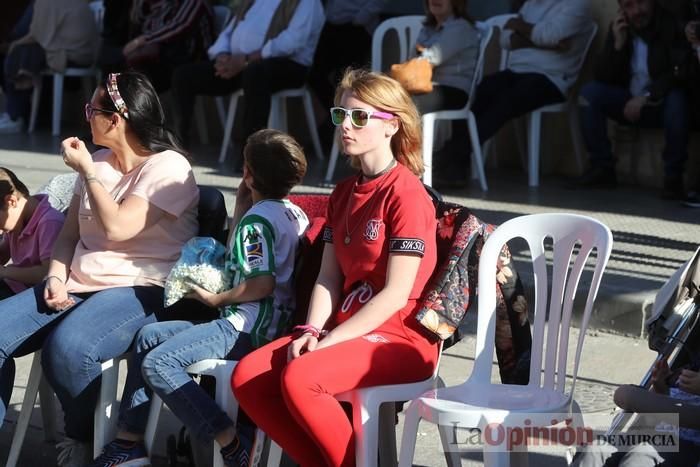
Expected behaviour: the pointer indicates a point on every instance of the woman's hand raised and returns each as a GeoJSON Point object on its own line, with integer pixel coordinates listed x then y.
{"type": "Point", "coordinates": [76, 156]}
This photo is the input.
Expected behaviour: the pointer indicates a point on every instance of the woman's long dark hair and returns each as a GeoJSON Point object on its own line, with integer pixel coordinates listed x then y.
{"type": "Point", "coordinates": [146, 117]}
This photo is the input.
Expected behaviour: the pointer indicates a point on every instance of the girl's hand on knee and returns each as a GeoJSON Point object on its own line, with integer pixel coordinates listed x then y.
{"type": "Point", "coordinates": [301, 345]}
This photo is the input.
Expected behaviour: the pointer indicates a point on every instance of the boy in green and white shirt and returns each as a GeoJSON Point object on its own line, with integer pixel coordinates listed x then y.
{"type": "Point", "coordinates": [263, 242]}
{"type": "Point", "coordinates": [258, 306]}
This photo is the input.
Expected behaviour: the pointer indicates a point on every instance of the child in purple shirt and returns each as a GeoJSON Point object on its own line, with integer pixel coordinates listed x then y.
{"type": "Point", "coordinates": [29, 226]}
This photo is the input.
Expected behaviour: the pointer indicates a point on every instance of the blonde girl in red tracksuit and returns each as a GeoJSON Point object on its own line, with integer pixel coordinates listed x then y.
{"type": "Point", "coordinates": [361, 329]}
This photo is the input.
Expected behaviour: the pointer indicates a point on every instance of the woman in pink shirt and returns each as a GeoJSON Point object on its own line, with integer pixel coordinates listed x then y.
{"type": "Point", "coordinates": [134, 207]}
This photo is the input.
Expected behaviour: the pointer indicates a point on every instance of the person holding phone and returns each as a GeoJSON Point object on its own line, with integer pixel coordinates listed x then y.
{"type": "Point", "coordinates": [639, 80]}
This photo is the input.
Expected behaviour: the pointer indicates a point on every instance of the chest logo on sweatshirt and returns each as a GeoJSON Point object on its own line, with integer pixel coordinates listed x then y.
{"type": "Point", "coordinates": [372, 229]}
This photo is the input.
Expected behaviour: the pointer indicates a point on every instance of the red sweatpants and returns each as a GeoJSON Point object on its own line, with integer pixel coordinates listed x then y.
{"type": "Point", "coordinates": [294, 404]}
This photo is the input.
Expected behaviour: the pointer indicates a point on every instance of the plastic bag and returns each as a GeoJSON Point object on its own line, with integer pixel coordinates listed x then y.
{"type": "Point", "coordinates": [201, 262]}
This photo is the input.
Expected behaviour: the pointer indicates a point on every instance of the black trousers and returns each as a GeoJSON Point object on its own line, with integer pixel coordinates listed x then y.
{"type": "Point", "coordinates": [340, 46]}
{"type": "Point", "coordinates": [506, 95]}
{"type": "Point", "coordinates": [441, 98]}
{"type": "Point", "coordinates": [259, 80]}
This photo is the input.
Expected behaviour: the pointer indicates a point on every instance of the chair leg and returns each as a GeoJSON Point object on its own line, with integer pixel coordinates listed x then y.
{"type": "Point", "coordinates": [36, 97]}
{"type": "Point", "coordinates": [333, 159]}
{"type": "Point", "coordinates": [25, 412]}
{"type": "Point", "coordinates": [311, 123]}
{"type": "Point", "coordinates": [228, 126]}
{"type": "Point", "coordinates": [575, 128]}
{"type": "Point", "coordinates": [410, 432]}
{"type": "Point", "coordinates": [452, 457]}
{"type": "Point", "coordinates": [366, 432]}
{"type": "Point", "coordinates": [387, 434]}
{"type": "Point", "coordinates": [221, 109]}
{"type": "Point", "coordinates": [201, 121]}
{"type": "Point", "coordinates": [477, 158]}
{"type": "Point", "coordinates": [428, 121]}
{"type": "Point", "coordinates": [533, 150]}
{"type": "Point", "coordinates": [47, 403]}
{"type": "Point", "coordinates": [152, 423]}
{"type": "Point", "coordinates": [105, 421]}
{"type": "Point", "coordinates": [57, 103]}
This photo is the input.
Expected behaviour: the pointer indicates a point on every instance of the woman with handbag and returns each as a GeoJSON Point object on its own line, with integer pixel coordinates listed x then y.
{"type": "Point", "coordinates": [380, 252]}
{"type": "Point", "coordinates": [448, 44]}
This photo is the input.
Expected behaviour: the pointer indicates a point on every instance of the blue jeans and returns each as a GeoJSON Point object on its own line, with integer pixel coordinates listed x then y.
{"type": "Point", "coordinates": [99, 328]}
{"type": "Point", "coordinates": [162, 351]}
{"type": "Point", "coordinates": [608, 101]}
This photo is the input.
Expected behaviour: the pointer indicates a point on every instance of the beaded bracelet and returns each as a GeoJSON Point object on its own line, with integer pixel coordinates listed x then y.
{"type": "Point", "coordinates": [302, 329]}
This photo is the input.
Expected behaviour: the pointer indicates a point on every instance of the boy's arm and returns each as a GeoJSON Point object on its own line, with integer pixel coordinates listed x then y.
{"type": "Point", "coordinates": [29, 275]}
{"type": "Point", "coordinates": [637, 399]}
{"type": "Point", "coordinates": [251, 290]}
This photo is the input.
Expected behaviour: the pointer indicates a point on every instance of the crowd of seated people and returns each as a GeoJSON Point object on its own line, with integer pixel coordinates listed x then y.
{"type": "Point", "coordinates": [643, 76]}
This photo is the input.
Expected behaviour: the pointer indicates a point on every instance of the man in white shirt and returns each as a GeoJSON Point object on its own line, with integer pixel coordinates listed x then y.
{"type": "Point", "coordinates": [546, 41]}
{"type": "Point", "coordinates": [268, 46]}
{"type": "Point", "coordinates": [639, 80]}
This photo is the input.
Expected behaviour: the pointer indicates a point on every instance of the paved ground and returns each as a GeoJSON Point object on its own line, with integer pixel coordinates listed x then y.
{"type": "Point", "coordinates": [652, 239]}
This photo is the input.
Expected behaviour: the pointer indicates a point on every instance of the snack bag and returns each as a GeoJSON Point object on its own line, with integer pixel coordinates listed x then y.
{"type": "Point", "coordinates": [201, 262]}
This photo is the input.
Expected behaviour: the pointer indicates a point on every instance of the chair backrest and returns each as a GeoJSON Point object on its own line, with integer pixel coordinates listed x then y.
{"type": "Point", "coordinates": [486, 35]}
{"type": "Point", "coordinates": [211, 213]}
{"type": "Point", "coordinates": [584, 54]}
{"type": "Point", "coordinates": [406, 29]}
{"type": "Point", "coordinates": [572, 237]}
{"type": "Point", "coordinates": [222, 15]}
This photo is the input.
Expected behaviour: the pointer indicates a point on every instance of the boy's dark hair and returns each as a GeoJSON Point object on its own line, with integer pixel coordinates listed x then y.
{"type": "Point", "coordinates": [9, 184]}
{"type": "Point", "coordinates": [276, 162]}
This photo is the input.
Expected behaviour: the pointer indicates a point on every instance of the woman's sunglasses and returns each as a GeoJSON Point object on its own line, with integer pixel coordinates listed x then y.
{"type": "Point", "coordinates": [358, 117]}
{"type": "Point", "coordinates": [90, 111]}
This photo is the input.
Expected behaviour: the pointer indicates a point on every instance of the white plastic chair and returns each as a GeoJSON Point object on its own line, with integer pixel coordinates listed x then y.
{"type": "Point", "coordinates": [221, 370]}
{"type": "Point", "coordinates": [464, 113]}
{"type": "Point", "coordinates": [406, 29]}
{"type": "Point", "coordinates": [277, 118]}
{"type": "Point", "coordinates": [373, 411]}
{"type": "Point", "coordinates": [97, 8]}
{"type": "Point", "coordinates": [105, 419]}
{"type": "Point", "coordinates": [534, 122]}
{"type": "Point", "coordinates": [222, 15]}
{"type": "Point", "coordinates": [476, 402]}
{"type": "Point", "coordinates": [35, 385]}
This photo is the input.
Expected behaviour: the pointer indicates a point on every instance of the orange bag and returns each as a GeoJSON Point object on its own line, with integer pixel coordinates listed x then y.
{"type": "Point", "coordinates": [415, 75]}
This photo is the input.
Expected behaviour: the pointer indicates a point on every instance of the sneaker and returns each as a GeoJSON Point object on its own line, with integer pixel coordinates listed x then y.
{"type": "Point", "coordinates": [237, 454]}
{"type": "Point", "coordinates": [73, 453]}
{"type": "Point", "coordinates": [11, 126]}
{"type": "Point", "coordinates": [692, 200]}
{"type": "Point", "coordinates": [123, 453]}
{"type": "Point", "coordinates": [597, 177]}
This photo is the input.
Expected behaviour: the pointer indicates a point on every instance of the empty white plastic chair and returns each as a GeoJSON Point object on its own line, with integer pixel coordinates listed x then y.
{"type": "Point", "coordinates": [277, 118]}
{"type": "Point", "coordinates": [476, 402]}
